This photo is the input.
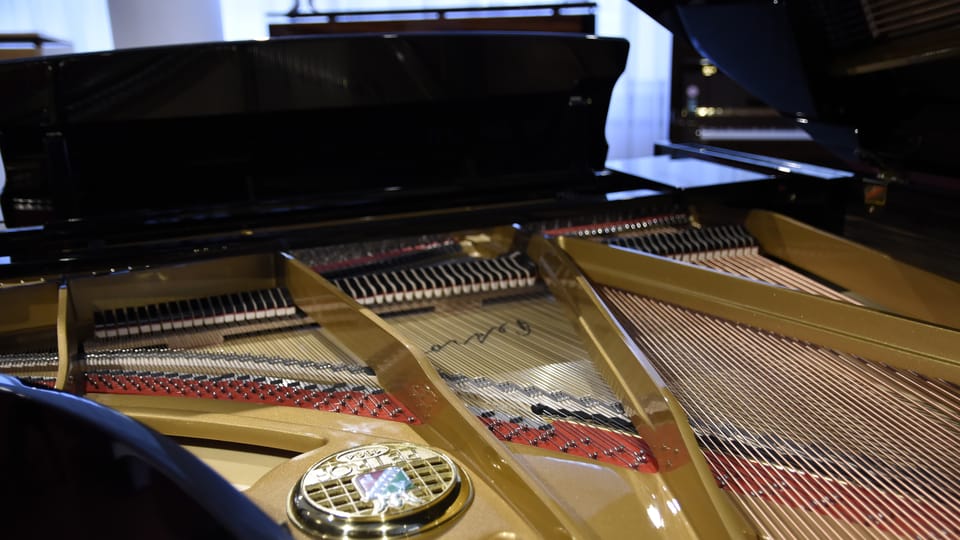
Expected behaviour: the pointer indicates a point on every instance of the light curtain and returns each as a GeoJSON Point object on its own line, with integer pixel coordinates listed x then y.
{"type": "Point", "coordinates": [84, 23]}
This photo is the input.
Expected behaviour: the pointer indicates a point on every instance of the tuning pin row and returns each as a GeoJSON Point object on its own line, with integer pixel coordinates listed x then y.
{"type": "Point", "coordinates": [194, 313]}
{"type": "Point", "coordinates": [441, 280]}
{"type": "Point", "coordinates": [694, 244]}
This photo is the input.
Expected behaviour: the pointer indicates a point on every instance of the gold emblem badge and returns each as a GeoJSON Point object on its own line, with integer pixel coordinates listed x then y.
{"type": "Point", "coordinates": [379, 490]}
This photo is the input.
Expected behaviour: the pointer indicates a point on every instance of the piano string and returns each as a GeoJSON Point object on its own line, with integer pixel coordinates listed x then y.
{"type": "Point", "coordinates": [809, 428]}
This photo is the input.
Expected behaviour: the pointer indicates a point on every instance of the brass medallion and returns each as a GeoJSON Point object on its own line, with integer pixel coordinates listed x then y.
{"type": "Point", "coordinates": [379, 490]}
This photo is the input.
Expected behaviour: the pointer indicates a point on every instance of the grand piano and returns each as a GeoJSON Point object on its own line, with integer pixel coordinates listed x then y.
{"type": "Point", "coordinates": [365, 286]}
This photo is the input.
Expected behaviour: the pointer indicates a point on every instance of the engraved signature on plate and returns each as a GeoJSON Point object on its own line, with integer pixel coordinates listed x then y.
{"type": "Point", "coordinates": [517, 327]}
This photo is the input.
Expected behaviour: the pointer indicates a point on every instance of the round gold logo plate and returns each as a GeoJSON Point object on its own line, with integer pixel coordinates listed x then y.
{"type": "Point", "coordinates": [379, 490]}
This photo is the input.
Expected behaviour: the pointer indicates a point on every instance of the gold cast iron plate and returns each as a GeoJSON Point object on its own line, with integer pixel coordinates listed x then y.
{"type": "Point", "coordinates": [379, 490]}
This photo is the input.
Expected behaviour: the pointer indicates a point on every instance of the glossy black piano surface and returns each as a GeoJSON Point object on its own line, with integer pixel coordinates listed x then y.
{"type": "Point", "coordinates": [413, 121]}
{"type": "Point", "coordinates": [299, 130]}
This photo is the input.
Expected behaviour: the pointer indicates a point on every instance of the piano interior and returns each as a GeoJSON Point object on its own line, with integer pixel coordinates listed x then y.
{"type": "Point", "coordinates": [662, 366]}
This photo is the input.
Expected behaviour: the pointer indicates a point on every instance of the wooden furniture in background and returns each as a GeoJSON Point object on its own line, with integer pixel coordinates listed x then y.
{"type": "Point", "coordinates": [576, 17]}
{"type": "Point", "coordinates": [25, 45]}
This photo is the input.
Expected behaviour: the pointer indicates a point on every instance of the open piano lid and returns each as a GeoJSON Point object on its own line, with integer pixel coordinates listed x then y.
{"type": "Point", "coordinates": [180, 139]}
{"type": "Point", "coordinates": [866, 78]}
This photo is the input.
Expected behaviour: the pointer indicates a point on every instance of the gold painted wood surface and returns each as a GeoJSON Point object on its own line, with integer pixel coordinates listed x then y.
{"type": "Point", "coordinates": [896, 341]}
{"type": "Point", "coordinates": [655, 412]}
{"type": "Point", "coordinates": [240, 466]}
{"type": "Point", "coordinates": [66, 339]}
{"type": "Point", "coordinates": [31, 317]}
{"type": "Point", "coordinates": [514, 475]}
{"type": "Point", "coordinates": [893, 285]}
{"type": "Point", "coordinates": [782, 402]}
{"type": "Point", "coordinates": [26, 309]}
{"type": "Point", "coordinates": [489, 516]}
{"type": "Point", "coordinates": [282, 428]}
{"type": "Point", "coordinates": [446, 424]}
{"type": "Point", "coordinates": [404, 372]}
{"type": "Point", "coordinates": [176, 282]}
